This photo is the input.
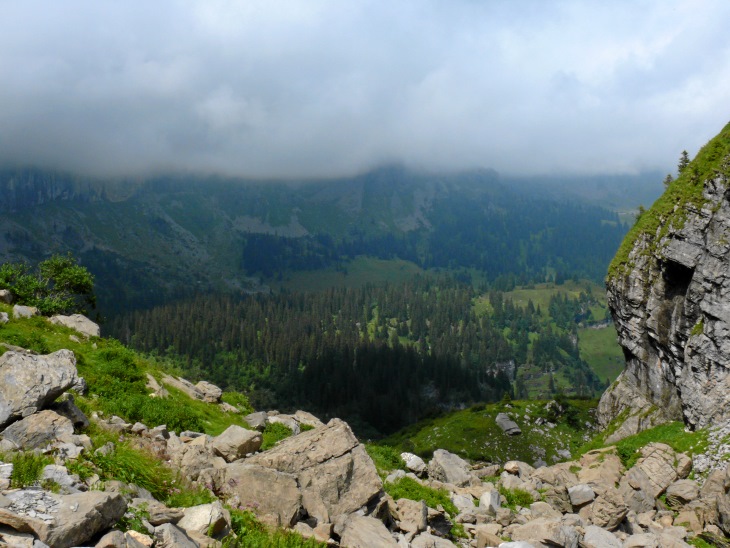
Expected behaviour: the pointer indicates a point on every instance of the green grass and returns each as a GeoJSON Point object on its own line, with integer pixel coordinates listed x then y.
{"type": "Point", "coordinates": [516, 497]}
{"type": "Point", "coordinates": [116, 379]}
{"type": "Point", "coordinates": [251, 533]}
{"type": "Point", "coordinates": [386, 458]}
{"type": "Point", "coordinates": [475, 435]}
{"type": "Point", "coordinates": [540, 294]}
{"type": "Point", "coordinates": [273, 433]}
{"type": "Point", "coordinates": [684, 192]}
{"type": "Point", "coordinates": [672, 433]}
{"type": "Point", "coordinates": [408, 488]}
{"type": "Point", "coordinates": [600, 349]}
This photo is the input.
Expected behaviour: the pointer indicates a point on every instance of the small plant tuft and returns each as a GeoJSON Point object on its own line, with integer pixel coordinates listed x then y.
{"type": "Point", "coordinates": [27, 469]}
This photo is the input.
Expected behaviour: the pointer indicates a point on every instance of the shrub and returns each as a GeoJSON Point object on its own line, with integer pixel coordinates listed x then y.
{"type": "Point", "coordinates": [58, 285]}
{"type": "Point", "coordinates": [273, 433]}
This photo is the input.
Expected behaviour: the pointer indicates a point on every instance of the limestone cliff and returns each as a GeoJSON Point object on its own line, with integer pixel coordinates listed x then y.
{"type": "Point", "coordinates": [669, 294]}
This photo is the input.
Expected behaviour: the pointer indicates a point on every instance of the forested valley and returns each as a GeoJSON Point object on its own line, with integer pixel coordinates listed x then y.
{"type": "Point", "coordinates": [381, 356]}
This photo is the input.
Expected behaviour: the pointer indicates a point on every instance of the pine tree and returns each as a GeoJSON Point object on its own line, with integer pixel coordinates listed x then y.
{"type": "Point", "coordinates": [683, 162]}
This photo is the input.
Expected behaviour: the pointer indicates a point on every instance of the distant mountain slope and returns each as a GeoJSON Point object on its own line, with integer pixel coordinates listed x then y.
{"type": "Point", "coordinates": [149, 240]}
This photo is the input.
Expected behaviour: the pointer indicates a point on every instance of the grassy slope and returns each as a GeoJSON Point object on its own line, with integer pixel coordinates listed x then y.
{"type": "Point", "coordinates": [474, 434]}
{"type": "Point", "coordinates": [359, 272]}
{"type": "Point", "coordinates": [600, 349]}
{"type": "Point", "coordinates": [115, 376]}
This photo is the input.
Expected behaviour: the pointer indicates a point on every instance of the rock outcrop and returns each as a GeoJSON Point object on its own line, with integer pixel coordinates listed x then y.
{"type": "Point", "coordinates": [79, 322]}
{"type": "Point", "coordinates": [29, 382]}
{"type": "Point", "coordinates": [669, 294]}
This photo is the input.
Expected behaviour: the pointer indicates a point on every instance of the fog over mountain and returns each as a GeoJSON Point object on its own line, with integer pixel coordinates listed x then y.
{"type": "Point", "coordinates": [324, 87]}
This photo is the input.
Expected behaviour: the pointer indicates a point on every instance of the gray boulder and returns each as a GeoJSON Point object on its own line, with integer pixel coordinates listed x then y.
{"type": "Point", "coordinates": [287, 420]}
{"type": "Point", "coordinates": [414, 463]}
{"type": "Point", "coordinates": [236, 442]}
{"type": "Point", "coordinates": [4, 318]}
{"type": "Point", "coordinates": [547, 532]}
{"type": "Point", "coordinates": [6, 296]}
{"type": "Point", "coordinates": [682, 492]}
{"type": "Point", "coordinates": [449, 468]}
{"type": "Point", "coordinates": [78, 322]}
{"type": "Point", "coordinates": [203, 391]}
{"type": "Point", "coordinates": [157, 512]}
{"type": "Point", "coordinates": [168, 535]}
{"type": "Point", "coordinates": [39, 430]}
{"type": "Point", "coordinates": [30, 383]}
{"type": "Point", "coordinates": [20, 311]}
{"type": "Point", "coordinates": [581, 494]}
{"type": "Point", "coordinates": [257, 420]}
{"type": "Point", "coordinates": [206, 519]}
{"type": "Point", "coordinates": [61, 521]}
{"type": "Point", "coordinates": [609, 509]}
{"type": "Point", "coordinates": [595, 537]}
{"type": "Point", "coordinates": [427, 540]}
{"type": "Point", "coordinates": [412, 516]}
{"type": "Point", "coordinates": [68, 408]}
{"type": "Point", "coordinates": [334, 472]}
{"type": "Point", "coordinates": [304, 417]}
{"type": "Point", "coordinates": [507, 425]}
{"type": "Point", "coordinates": [272, 494]}
{"type": "Point", "coordinates": [118, 539]}
{"type": "Point", "coordinates": [210, 392]}
{"type": "Point", "coordinates": [366, 532]}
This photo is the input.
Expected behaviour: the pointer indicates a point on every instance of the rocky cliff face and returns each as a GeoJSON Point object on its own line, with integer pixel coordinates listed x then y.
{"type": "Point", "coordinates": [670, 299]}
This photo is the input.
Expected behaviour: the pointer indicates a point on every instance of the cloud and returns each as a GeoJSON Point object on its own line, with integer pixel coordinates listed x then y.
{"type": "Point", "coordinates": [324, 87]}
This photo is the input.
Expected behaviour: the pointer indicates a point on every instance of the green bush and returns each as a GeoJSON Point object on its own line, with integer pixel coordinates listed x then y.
{"type": "Point", "coordinates": [516, 497]}
{"type": "Point", "coordinates": [236, 399]}
{"type": "Point", "coordinates": [273, 433]}
{"type": "Point", "coordinates": [154, 412]}
{"type": "Point", "coordinates": [408, 488]}
{"type": "Point", "coordinates": [57, 285]}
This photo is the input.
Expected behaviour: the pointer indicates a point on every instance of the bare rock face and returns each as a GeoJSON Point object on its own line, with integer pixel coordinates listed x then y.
{"type": "Point", "coordinates": [79, 322]}
{"type": "Point", "coordinates": [30, 382]}
{"type": "Point", "coordinates": [670, 301]}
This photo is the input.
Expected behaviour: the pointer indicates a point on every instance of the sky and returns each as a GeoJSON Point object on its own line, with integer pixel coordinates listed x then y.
{"type": "Point", "coordinates": [308, 88]}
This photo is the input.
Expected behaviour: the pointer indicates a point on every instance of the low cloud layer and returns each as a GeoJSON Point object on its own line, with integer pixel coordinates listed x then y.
{"type": "Point", "coordinates": [327, 87]}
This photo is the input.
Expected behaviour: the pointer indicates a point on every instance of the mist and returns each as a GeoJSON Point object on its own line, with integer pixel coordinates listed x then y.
{"type": "Point", "coordinates": [324, 88]}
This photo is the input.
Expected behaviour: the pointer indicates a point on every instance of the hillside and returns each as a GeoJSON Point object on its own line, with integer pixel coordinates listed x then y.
{"type": "Point", "coordinates": [149, 241]}
{"type": "Point", "coordinates": [145, 483]}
